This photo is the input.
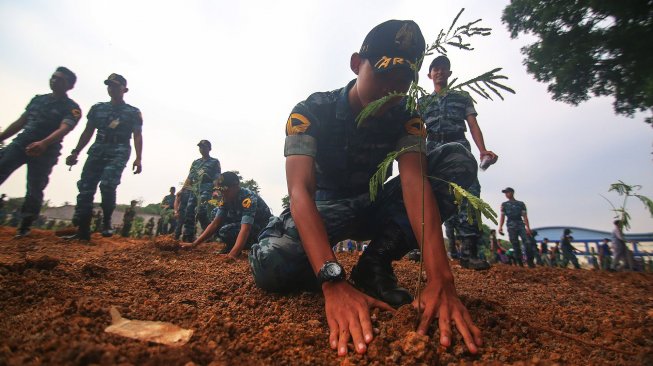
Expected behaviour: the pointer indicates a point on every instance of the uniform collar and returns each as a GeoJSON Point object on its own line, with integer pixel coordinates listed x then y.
{"type": "Point", "coordinates": [343, 110]}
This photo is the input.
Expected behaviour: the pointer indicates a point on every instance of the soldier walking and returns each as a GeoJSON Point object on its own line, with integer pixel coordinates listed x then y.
{"type": "Point", "coordinates": [128, 219]}
{"type": "Point", "coordinates": [517, 228]}
{"type": "Point", "coordinates": [115, 122]}
{"type": "Point", "coordinates": [203, 172]}
{"type": "Point", "coordinates": [447, 113]}
{"type": "Point", "coordinates": [45, 122]}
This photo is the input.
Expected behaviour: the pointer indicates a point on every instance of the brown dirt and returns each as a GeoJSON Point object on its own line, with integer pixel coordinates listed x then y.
{"type": "Point", "coordinates": [55, 298]}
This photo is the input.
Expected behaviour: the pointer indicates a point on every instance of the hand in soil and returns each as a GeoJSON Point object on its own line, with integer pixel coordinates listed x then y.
{"type": "Point", "coordinates": [348, 315]}
{"type": "Point", "coordinates": [441, 300]}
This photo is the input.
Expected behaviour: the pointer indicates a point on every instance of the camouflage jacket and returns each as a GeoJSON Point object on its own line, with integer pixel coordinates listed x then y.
{"type": "Point", "coordinates": [446, 113]}
{"type": "Point", "coordinates": [45, 114]}
{"type": "Point", "coordinates": [248, 208]}
{"type": "Point", "coordinates": [346, 155]}
{"type": "Point", "coordinates": [514, 210]}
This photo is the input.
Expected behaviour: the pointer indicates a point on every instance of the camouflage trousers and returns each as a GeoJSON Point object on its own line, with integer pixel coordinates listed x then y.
{"type": "Point", "coordinates": [183, 204]}
{"type": "Point", "coordinates": [104, 165]}
{"type": "Point", "coordinates": [39, 168]}
{"type": "Point", "coordinates": [459, 223]}
{"type": "Point", "coordinates": [279, 262]}
{"type": "Point", "coordinates": [516, 232]}
{"type": "Point", "coordinates": [198, 209]}
{"type": "Point", "coordinates": [228, 234]}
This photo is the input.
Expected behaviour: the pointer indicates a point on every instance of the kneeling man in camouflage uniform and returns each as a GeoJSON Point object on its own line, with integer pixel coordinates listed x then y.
{"type": "Point", "coordinates": [330, 159]}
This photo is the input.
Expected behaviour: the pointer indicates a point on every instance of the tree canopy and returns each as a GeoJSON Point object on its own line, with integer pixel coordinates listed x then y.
{"type": "Point", "coordinates": [589, 47]}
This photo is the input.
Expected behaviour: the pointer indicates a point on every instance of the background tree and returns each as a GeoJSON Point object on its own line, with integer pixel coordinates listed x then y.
{"type": "Point", "coordinates": [250, 184]}
{"type": "Point", "coordinates": [589, 47]}
{"type": "Point", "coordinates": [285, 202]}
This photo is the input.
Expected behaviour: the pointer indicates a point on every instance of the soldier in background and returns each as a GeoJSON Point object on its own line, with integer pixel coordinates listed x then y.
{"type": "Point", "coordinates": [180, 205]}
{"type": "Point", "coordinates": [203, 172]}
{"type": "Point", "coordinates": [168, 221]}
{"type": "Point", "coordinates": [97, 221]}
{"type": "Point", "coordinates": [149, 228]}
{"type": "Point", "coordinates": [568, 250]}
{"type": "Point", "coordinates": [517, 228]}
{"type": "Point", "coordinates": [128, 219]}
{"type": "Point", "coordinates": [116, 122]}
{"type": "Point", "coordinates": [45, 122]}
{"type": "Point", "coordinates": [447, 113]}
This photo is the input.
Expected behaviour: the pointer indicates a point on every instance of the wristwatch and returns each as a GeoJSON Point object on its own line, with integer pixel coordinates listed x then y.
{"type": "Point", "coordinates": [331, 271]}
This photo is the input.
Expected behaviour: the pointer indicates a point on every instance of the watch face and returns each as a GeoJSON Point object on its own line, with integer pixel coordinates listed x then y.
{"type": "Point", "coordinates": [333, 270]}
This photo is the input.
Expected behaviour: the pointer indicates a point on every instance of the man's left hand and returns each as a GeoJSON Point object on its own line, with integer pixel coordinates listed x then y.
{"type": "Point", "coordinates": [439, 299]}
{"type": "Point", "coordinates": [35, 148]}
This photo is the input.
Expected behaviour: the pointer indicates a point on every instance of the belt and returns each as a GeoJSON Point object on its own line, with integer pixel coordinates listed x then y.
{"type": "Point", "coordinates": [445, 137]}
{"type": "Point", "coordinates": [112, 139]}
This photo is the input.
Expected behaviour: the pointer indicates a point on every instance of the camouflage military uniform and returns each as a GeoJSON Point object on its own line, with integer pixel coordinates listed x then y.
{"type": "Point", "coordinates": [567, 252]}
{"type": "Point", "coordinates": [108, 155]}
{"type": "Point", "coordinates": [201, 176]}
{"type": "Point", "coordinates": [127, 220]}
{"type": "Point", "coordinates": [183, 204]}
{"type": "Point", "coordinates": [249, 208]}
{"type": "Point", "coordinates": [346, 156]}
{"type": "Point", "coordinates": [514, 210]}
{"type": "Point", "coordinates": [45, 114]}
{"type": "Point", "coordinates": [445, 117]}
{"type": "Point", "coordinates": [168, 222]}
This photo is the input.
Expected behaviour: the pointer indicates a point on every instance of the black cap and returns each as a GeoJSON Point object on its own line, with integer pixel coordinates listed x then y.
{"type": "Point", "coordinates": [440, 61]}
{"type": "Point", "coordinates": [204, 143]}
{"type": "Point", "coordinates": [568, 231]}
{"type": "Point", "coordinates": [116, 79]}
{"type": "Point", "coordinates": [394, 44]}
{"type": "Point", "coordinates": [228, 179]}
{"type": "Point", "coordinates": [508, 189]}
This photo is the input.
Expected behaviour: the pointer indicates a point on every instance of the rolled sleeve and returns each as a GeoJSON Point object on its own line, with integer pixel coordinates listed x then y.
{"type": "Point", "coordinates": [411, 143]}
{"type": "Point", "coordinates": [246, 219]}
{"type": "Point", "coordinates": [300, 145]}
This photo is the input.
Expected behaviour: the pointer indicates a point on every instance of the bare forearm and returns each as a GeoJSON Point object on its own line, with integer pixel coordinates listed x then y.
{"type": "Point", "coordinates": [477, 134]}
{"type": "Point", "coordinates": [138, 145]}
{"type": "Point", "coordinates": [241, 240]}
{"type": "Point", "coordinates": [14, 127]}
{"type": "Point", "coordinates": [311, 230]}
{"type": "Point", "coordinates": [209, 231]}
{"type": "Point", "coordinates": [84, 138]}
{"type": "Point", "coordinates": [57, 135]}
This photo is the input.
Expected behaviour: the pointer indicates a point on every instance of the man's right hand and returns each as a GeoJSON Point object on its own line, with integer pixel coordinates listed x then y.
{"type": "Point", "coordinates": [500, 231]}
{"type": "Point", "coordinates": [348, 315]}
{"type": "Point", "coordinates": [71, 159]}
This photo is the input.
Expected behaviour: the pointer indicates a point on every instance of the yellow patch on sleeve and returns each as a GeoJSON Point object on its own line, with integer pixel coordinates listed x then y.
{"type": "Point", "coordinates": [247, 202]}
{"type": "Point", "coordinates": [415, 127]}
{"type": "Point", "coordinates": [297, 124]}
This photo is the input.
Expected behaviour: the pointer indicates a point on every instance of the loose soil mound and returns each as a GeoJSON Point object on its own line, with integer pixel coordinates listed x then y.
{"type": "Point", "coordinates": [55, 298]}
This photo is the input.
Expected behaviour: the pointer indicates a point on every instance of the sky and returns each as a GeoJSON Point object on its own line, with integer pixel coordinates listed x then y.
{"type": "Point", "coordinates": [231, 71]}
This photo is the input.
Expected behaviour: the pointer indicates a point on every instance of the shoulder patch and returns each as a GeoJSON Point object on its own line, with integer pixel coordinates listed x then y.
{"type": "Point", "coordinates": [247, 202]}
{"type": "Point", "coordinates": [76, 113]}
{"type": "Point", "coordinates": [415, 127]}
{"type": "Point", "coordinates": [297, 123]}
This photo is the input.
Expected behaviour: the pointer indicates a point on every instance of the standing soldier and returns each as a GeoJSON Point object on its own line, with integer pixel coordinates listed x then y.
{"type": "Point", "coordinates": [180, 205]}
{"type": "Point", "coordinates": [517, 228]}
{"type": "Point", "coordinates": [2, 209]}
{"type": "Point", "coordinates": [203, 172]}
{"type": "Point", "coordinates": [445, 113]}
{"type": "Point", "coordinates": [128, 218]}
{"type": "Point", "coordinates": [568, 250]}
{"type": "Point", "coordinates": [149, 228]}
{"type": "Point", "coordinates": [45, 122]}
{"type": "Point", "coordinates": [533, 243]}
{"type": "Point", "coordinates": [168, 221]}
{"type": "Point", "coordinates": [98, 221]}
{"type": "Point", "coordinates": [116, 122]}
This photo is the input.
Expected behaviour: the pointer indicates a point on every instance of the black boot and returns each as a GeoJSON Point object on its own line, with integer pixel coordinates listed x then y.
{"type": "Point", "coordinates": [373, 273]}
{"type": "Point", "coordinates": [83, 230]}
{"type": "Point", "coordinates": [107, 229]}
{"type": "Point", "coordinates": [469, 258]}
{"type": "Point", "coordinates": [451, 237]}
{"type": "Point", "coordinates": [24, 228]}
